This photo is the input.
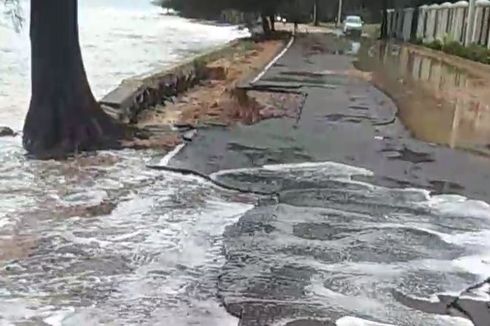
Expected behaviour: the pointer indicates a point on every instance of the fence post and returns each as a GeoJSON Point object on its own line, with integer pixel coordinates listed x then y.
{"type": "Point", "coordinates": [421, 21]}
{"type": "Point", "coordinates": [460, 21]}
{"type": "Point", "coordinates": [407, 23]}
{"type": "Point", "coordinates": [431, 27]}
{"type": "Point", "coordinates": [443, 21]}
{"type": "Point", "coordinates": [470, 23]}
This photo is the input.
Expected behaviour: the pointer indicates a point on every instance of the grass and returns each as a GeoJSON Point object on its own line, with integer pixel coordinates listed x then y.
{"type": "Point", "coordinates": [472, 52]}
{"type": "Point", "coordinates": [247, 45]}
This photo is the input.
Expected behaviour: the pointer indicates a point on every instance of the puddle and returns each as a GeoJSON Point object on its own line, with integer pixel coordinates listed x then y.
{"type": "Point", "coordinates": [408, 155]}
{"type": "Point", "coordinates": [439, 102]}
{"type": "Point", "coordinates": [442, 187]}
{"type": "Point", "coordinates": [336, 46]}
{"type": "Point", "coordinates": [329, 81]}
{"type": "Point", "coordinates": [336, 117]}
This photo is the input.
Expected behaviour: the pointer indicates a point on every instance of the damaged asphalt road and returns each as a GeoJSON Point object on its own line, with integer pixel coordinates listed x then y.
{"type": "Point", "coordinates": [343, 238]}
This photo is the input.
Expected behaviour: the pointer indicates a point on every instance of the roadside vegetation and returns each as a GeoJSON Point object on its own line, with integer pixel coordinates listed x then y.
{"type": "Point", "coordinates": [472, 52]}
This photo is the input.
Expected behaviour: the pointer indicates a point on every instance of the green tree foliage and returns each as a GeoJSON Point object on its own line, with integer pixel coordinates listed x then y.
{"type": "Point", "coordinates": [267, 9]}
{"type": "Point", "coordinates": [207, 9]}
{"type": "Point", "coordinates": [196, 8]}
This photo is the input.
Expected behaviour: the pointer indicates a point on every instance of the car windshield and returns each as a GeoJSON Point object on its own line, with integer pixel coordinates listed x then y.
{"type": "Point", "coordinates": [356, 20]}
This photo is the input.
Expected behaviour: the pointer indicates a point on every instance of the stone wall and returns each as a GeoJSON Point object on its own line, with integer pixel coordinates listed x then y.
{"type": "Point", "coordinates": [136, 94]}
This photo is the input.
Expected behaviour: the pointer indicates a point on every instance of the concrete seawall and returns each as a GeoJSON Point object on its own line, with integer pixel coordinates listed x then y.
{"type": "Point", "coordinates": [142, 92]}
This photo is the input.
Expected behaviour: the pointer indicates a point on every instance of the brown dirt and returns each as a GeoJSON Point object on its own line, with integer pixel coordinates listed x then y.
{"type": "Point", "coordinates": [216, 100]}
{"type": "Point", "coordinates": [16, 247]}
{"type": "Point", "coordinates": [165, 141]}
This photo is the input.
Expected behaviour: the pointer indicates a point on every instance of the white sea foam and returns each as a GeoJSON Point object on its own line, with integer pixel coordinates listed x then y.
{"type": "Point", "coordinates": [86, 198]}
{"type": "Point", "coordinates": [119, 39]}
{"type": "Point", "coordinates": [56, 318]}
{"type": "Point", "coordinates": [329, 167]}
{"type": "Point", "coordinates": [480, 239]}
{"type": "Point", "coordinates": [481, 293]}
{"type": "Point", "coordinates": [459, 206]}
{"type": "Point", "coordinates": [169, 231]}
{"type": "Point", "coordinates": [325, 168]}
{"type": "Point", "coordinates": [453, 321]}
{"type": "Point", "coordinates": [4, 221]}
{"type": "Point", "coordinates": [166, 159]}
{"type": "Point", "coordinates": [192, 245]}
{"type": "Point", "coordinates": [354, 321]}
{"type": "Point", "coordinates": [364, 304]}
{"type": "Point", "coordinates": [477, 264]}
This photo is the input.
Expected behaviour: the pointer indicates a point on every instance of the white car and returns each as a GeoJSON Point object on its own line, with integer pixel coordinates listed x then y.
{"type": "Point", "coordinates": [353, 25]}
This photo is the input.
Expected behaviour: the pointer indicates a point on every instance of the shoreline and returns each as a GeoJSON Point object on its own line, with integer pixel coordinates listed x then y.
{"type": "Point", "coordinates": [166, 106]}
{"type": "Point", "coordinates": [161, 90]}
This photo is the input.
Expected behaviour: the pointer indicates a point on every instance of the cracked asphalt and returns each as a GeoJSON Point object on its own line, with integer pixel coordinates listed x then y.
{"type": "Point", "coordinates": [345, 119]}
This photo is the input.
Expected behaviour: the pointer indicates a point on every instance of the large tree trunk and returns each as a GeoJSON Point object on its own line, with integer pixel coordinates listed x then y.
{"type": "Point", "coordinates": [63, 116]}
{"type": "Point", "coordinates": [265, 25]}
{"type": "Point", "coordinates": [384, 22]}
{"type": "Point", "coordinates": [272, 19]}
{"type": "Point", "coordinates": [316, 20]}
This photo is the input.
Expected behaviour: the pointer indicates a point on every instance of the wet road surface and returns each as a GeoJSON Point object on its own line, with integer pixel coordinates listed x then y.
{"type": "Point", "coordinates": [438, 101]}
{"type": "Point", "coordinates": [344, 119]}
{"type": "Point", "coordinates": [332, 248]}
{"type": "Point", "coordinates": [336, 243]}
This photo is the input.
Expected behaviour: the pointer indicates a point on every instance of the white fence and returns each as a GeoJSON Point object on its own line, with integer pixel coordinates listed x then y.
{"type": "Point", "coordinates": [445, 22]}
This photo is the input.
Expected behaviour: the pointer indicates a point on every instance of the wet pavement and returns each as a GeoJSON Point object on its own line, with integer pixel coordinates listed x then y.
{"type": "Point", "coordinates": [344, 119]}
{"type": "Point", "coordinates": [335, 242]}
{"type": "Point", "coordinates": [333, 248]}
{"type": "Point", "coordinates": [453, 101]}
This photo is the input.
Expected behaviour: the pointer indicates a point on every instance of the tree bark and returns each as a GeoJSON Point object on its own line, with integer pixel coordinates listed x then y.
{"type": "Point", "coordinates": [63, 116]}
{"type": "Point", "coordinates": [265, 25]}
{"type": "Point", "coordinates": [316, 20]}
{"type": "Point", "coordinates": [272, 19]}
{"type": "Point", "coordinates": [384, 22]}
